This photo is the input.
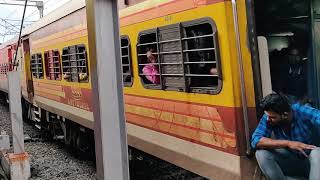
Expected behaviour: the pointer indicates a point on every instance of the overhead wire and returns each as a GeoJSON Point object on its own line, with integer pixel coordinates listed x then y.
{"type": "Point", "coordinates": [18, 44]}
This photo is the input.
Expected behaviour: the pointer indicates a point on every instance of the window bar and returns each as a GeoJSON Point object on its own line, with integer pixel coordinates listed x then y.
{"type": "Point", "coordinates": [144, 64]}
{"type": "Point", "coordinates": [197, 37]}
{"type": "Point", "coordinates": [201, 75]}
{"type": "Point", "coordinates": [71, 60]}
{"type": "Point", "coordinates": [129, 61]}
{"type": "Point", "coordinates": [186, 87]}
{"type": "Point", "coordinates": [66, 61]}
{"type": "Point", "coordinates": [141, 74]}
{"type": "Point", "coordinates": [51, 65]}
{"type": "Point", "coordinates": [173, 74]}
{"type": "Point", "coordinates": [78, 54]}
{"type": "Point", "coordinates": [146, 44]}
{"type": "Point", "coordinates": [69, 63]}
{"type": "Point", "coordinates": [201, 62]}
{"type": "Point", "coordinates": [37, 65]}
{"type": "Point", "coordinates": [37, 68]}
{"type": "Point", "coordinates": [171, 40]}
{"type": "Point", "coordinates": [159, 58]}
{"type": "Point", "coordinates": [170, 52]}
{"type": "Point", "coordinates": [81, 53]}
{"type": "Point", "coordinates": [55, 57]}
{"type": "Point", "coordinates": [146, 54]}
{"type": "Point", "coordinates": [195, 50]}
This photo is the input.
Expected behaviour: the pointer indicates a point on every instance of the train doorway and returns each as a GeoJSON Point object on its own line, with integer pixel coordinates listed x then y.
{"type": "Point", "coordinates": [26, 69]}
{"type": "Point", "coordinates": [286, 25]}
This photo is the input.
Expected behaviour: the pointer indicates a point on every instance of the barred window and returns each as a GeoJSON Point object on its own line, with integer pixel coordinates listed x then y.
{"type": "Point", "coordinates": [126, 61]}
{"type": "Point", "coordinates": [74, 64]}
{"type": "Point", "coordinates": [37, 66]}
{"type": "Point", "coordinates": [4, 68]}
{"type": "Point", "coordinates": [185, 57]}
{"type": "Point", "coordinates": [52, 65]}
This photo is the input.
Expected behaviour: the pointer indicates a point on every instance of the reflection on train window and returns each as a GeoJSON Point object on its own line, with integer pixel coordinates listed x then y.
{"type": "Point", "coordinates": [74, 64]}
{"type": "Point", "coordinates": [36, 66]}
{"type": "Point", "coordinates": [126, 61]}
{"type": "Point", "coordinates": [52, 65]}
{"type": "Point", "coordinates": [181, 57]}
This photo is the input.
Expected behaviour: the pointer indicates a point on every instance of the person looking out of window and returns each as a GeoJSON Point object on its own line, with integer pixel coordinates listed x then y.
{"type": "Point", "coordinates": [151, 71]}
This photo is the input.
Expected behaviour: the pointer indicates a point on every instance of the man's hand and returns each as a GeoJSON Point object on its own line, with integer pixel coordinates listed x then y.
{"type": "Point", "coordinates": [299, 146]}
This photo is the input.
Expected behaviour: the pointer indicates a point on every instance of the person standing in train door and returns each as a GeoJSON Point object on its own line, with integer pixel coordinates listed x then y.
{"type": "Point", "coordinates": [284, 139]}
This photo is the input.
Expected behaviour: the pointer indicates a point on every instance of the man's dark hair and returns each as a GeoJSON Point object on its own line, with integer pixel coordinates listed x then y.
{"type": "Point", "coordinates": [275, 102]}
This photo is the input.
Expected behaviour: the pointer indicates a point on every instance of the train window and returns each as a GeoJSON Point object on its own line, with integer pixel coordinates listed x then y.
{"type": "Point", "coordinates": [126, 61]}
{"type": "Point", "coordinates": [74, 64]}
{"type": "Point", "coordinates": [36, 66]}
{"type": "Point", "coordinates": [202, 56]}
{"type": "Point", "coordinates": [181, 57]}
{"type": "Point", "coordinates": [52, 65]}
{"type": "Point", "coordinates": [4, 68]}
{"type": "Point", "coordinates": [148, 60]}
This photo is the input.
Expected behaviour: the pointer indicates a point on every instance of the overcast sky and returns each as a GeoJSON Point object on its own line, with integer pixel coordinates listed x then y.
{"type": "Point", "coordinates": [13, 15]}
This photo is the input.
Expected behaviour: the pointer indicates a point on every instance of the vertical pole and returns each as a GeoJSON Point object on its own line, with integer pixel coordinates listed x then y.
{"type": "Point", "coordinates": [242, 80]}
{"type": "Point", "coordinates": [16, 111]}
{"type": "Point", "coordinates": [40, 7]}
{"type": "Point", "coordinates": [106, 77]}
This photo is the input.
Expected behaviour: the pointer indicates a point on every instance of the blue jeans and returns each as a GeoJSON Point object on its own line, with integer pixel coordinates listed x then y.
{"type": "Point", "coordinates": [279, 164]}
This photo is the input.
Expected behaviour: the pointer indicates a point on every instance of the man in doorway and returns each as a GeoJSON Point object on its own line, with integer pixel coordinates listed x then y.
{"type": "Point", "coordinates": [284, 139]}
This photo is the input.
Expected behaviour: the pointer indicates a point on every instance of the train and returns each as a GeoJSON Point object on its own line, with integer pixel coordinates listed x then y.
{"type": "Point", "coordinates": [216, 59]}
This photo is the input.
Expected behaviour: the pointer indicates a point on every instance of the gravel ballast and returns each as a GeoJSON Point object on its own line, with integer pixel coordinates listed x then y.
{"type": "Point", "coordinates": [52, 160]}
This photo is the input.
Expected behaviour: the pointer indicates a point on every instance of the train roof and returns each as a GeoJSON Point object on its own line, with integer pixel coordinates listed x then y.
{"type": "Point", "coordinates": [55, 15]}
{"type": "Point", "coordinates": [9, 42]}
{"type": "Point", "coordinates": [73, 6]}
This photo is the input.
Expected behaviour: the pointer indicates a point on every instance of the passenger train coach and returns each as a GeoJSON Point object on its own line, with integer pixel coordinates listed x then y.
{"type": "Point", "coordinates": [199, 116]}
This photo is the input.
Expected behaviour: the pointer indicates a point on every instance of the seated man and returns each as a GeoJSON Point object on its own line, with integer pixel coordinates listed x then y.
{"type": "Point", "coordinates": [291, 151]}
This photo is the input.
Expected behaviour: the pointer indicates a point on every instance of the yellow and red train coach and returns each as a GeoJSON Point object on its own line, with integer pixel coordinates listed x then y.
{"type": "Point", "coordinates": [193, 119]}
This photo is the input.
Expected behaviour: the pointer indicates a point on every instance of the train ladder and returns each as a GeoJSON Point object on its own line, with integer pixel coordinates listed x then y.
{"type": "Point", "coordinates": [36, 117]}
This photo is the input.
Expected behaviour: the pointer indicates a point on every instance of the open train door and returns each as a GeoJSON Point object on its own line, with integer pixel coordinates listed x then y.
{"type": "Point", "coordinates": [316, 44]}
{"type": "Point", "coordinates": [26, 81]}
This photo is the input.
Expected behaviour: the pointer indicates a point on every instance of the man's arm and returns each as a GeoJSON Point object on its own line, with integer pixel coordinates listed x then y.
{"type": "Point", "coordinates": [268, 143]}
{"type": "Point", "coordinates": [262, 131]}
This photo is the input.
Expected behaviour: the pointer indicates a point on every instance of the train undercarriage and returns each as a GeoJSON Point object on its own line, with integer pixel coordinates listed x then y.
{"type": "Point", "coordinates": [55, 127]}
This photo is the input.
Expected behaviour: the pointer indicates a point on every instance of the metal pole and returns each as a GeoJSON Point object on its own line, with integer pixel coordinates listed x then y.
{"type": "Point", "coordinates": [40, 7]}
{"type": "Point", "coordinates": [105, 63]}
{"type": "Point", "coordinates": [242, 80]}
{"type": "Point", "coordinates": [40, 11]}
{"type": "Point", "coordinates": [16, 111]}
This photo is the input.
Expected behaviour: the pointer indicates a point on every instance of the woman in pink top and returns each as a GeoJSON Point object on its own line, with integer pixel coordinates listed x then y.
{"type": "Point", "coordinates": [151, 71]}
